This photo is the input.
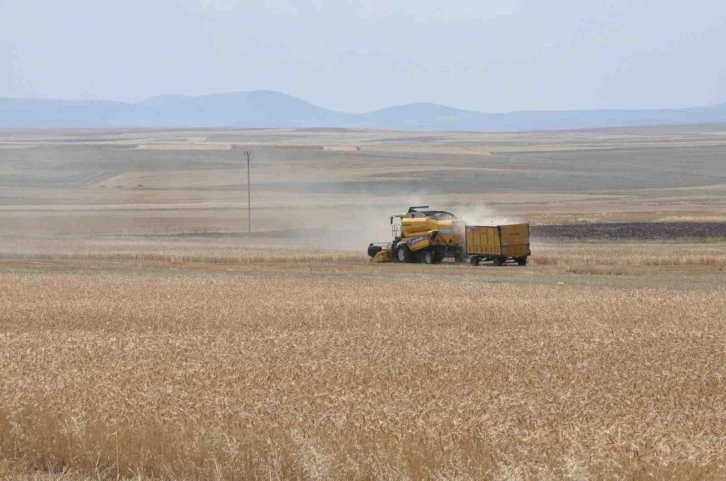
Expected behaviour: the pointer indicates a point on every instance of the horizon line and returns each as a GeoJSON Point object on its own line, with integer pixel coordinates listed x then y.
{"type": "Point", "coordinates": [410, 104]}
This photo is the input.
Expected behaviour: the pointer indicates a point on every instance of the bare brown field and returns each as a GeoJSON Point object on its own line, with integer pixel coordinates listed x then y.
{"type": "Point", "coordinates": [145, 335]}
{"type": "Point", "coordinates": [98, 183]}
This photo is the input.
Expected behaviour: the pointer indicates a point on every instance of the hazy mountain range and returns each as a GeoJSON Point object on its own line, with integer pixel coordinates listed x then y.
{"type": "Point", "coordinates": [273, 109]}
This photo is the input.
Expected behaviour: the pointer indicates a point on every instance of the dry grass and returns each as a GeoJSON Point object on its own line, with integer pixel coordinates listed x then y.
{"type": "Point", "coordinates": [603, 257]}
{"type": "Point", "coordinates": [273, 378]}
{"type": "Point", "coordinates": [174, 253]}
{"type": "Point", "coordinates": [630, 254]}
{"type": "Point", "coordinates": [598, 270]}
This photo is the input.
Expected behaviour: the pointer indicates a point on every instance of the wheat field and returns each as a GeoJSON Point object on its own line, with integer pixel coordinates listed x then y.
{"type": "Point", "coordinates": [297, 375]}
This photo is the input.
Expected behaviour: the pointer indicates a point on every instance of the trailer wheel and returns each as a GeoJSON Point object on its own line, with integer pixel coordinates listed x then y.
{"type": "Point", "coordinates": [404, 254]}
{"type": "Point", "coordinates": [498, 261]}
{"type": "Point", "coordinates": [474, 261]}
{"type": "Point", "coordinates": [522, 261]}
{"type": "Point", "coordinates": [429, 257]}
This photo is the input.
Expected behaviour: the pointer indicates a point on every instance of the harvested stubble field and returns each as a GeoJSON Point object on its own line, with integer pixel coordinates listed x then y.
{"type": "Point", "coordinates": [143, 336]}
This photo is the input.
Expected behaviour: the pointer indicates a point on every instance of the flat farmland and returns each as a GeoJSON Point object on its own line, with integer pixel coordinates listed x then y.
{"type": "Point", "coordinates": [144, 334]}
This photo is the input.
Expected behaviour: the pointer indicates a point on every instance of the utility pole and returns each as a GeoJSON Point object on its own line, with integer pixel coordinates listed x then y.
{"type": "Point", "coordinates": [249, 196]}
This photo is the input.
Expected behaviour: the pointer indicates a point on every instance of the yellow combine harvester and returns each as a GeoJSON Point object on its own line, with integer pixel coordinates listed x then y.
{"type": "Point", "coordinates": [431, 235]}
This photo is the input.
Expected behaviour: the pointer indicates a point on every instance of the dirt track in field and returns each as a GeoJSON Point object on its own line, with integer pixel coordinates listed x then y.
{"type": "Point", "coordinates": [632, 231]}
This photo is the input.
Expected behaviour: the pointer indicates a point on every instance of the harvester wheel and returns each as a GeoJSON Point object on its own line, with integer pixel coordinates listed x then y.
{"type": "Point", "coordinates": [522, 261]}
{"type": "Point", "coordinates": [498, 261]}
{"type": "Point", "coordinates": [474, 261]}
{"type": "Point", "coordinates": [429, 257]}
{"type": "Point", "coordinates": [403, 254]}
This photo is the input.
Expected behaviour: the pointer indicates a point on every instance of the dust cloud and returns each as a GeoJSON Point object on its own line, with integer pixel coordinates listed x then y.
{"type": "Point", "coordinates": [353, 226]}
{"type": "Point", "coordinates": [482, 214]}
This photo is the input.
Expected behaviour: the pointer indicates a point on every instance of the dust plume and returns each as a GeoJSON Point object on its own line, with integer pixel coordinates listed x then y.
{"type": "Point", "coordinates": [482, 214]}
{"type": "Point", "coordinates": [354, 225]}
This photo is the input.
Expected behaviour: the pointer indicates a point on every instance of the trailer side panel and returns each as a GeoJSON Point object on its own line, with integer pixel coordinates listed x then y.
{"type": "Point", "coordinates": [511, 241]}
{"type": "Point", "coordinates": [482, 240]}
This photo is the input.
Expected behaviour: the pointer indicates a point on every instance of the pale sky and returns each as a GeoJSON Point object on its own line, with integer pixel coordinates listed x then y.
{"type": "Point", "coordinates": [358, 55]}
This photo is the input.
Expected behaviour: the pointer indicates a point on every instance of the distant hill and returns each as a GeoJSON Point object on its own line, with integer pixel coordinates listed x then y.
{"type": "Point", "coordinates": [273, 109]}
